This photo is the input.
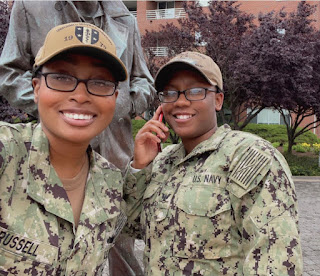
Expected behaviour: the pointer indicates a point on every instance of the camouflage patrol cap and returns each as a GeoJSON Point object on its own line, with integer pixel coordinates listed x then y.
{"type": "Point", "coordinates": [200, 62]}
{"type": "Point", "coordinates": [84, 38]}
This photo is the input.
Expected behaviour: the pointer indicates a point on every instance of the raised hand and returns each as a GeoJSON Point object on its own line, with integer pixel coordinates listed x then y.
{"type": "Point", "coordinates": [147, 140]}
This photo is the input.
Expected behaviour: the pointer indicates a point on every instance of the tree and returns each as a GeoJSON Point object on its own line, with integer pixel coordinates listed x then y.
{"type": "Point", "coordinates": [278, 65]}
{"type": "Point", "coordinates": [222, 30]}
{"type": "Point", "coordinates": [176, 40]}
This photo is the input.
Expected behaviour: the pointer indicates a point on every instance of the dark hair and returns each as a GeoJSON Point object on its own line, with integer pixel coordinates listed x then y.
{"type": "Point", "coordinates": [35, 72]}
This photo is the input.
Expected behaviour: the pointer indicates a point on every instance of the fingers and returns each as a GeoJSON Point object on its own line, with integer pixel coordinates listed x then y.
{"type": "Point", "coordinates": [157, 113]}
{"type": "Point", "coordinates": [147, 140]}
{"type": "Point", "coordinates": [155, 128]}
{"type": "Point", "coordinates": [148, 137]}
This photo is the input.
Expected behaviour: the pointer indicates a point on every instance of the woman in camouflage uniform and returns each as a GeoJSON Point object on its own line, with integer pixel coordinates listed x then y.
{"type": "Point", "coordinates": [222, 202]}
{"type": "Point", "coordinates": [60, 202]}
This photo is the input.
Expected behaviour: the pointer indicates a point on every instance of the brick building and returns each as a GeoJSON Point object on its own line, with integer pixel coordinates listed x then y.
{"type": "Point", "coordinates": [151, 14]}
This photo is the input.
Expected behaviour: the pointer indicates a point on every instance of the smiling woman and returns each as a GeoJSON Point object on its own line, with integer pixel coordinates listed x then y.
{"type": "Point", "coordinates": [61, 204]}
{"type": "Point", "coordinates": [222, 202]}
{"type": "Point", "coordinates": [68, 109]}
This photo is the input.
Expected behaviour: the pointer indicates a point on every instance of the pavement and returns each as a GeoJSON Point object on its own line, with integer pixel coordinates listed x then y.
{"type": "Point", "coordinates": [308, 192]}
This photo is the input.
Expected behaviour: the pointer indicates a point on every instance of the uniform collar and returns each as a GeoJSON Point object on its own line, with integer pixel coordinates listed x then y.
{"type": "Point", "coordinates": [117, 31]}
{"type": "Point", "coordinates": [103, 195]}
{"type": "Point", "coordinates": [210, 144]}
{"type": "Point", "coordinates": [115, 8]}
{"type": "Point", "coordinates": [45, 187]}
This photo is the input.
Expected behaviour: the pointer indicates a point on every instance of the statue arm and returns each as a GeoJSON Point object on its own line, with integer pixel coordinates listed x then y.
{"type": "Point", "coordinates": [16, 62]}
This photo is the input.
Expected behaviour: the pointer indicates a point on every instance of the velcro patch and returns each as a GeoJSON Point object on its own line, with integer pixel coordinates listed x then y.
{"type": "Point", "coordinates": [120, 223]}
{"type": "Point", "coordinates": [249, 167]}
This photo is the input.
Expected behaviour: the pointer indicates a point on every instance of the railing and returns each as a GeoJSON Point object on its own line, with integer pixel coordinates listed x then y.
{"type": "Point", "coordinates": [159, 51]}
{"type": "Point", "coordinates": [134, 13]}
{"type": "Point", "coordinates": [166, 13]}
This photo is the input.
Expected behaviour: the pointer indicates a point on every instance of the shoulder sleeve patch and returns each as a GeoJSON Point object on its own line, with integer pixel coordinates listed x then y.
{"type": "Point", "coordinates": [249, 166]}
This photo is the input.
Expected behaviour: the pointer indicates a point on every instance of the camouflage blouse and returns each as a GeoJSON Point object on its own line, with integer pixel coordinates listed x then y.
{"type": "Point", "coordinates": [227, 208]}
{"type": "Point", "coordinates": [37, 233]}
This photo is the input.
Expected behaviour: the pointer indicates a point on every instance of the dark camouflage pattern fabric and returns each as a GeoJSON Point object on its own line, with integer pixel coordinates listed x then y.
{"type": "Point", "coordinates": [37, 233]}
{"type": "Point", "coordinates": [227, 208]}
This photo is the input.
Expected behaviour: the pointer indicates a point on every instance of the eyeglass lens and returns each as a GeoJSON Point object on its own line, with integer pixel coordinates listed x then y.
{"type": "Point", "coordinates": [69, 83]}
{"type": "Point", "coordinates": [193, 94]}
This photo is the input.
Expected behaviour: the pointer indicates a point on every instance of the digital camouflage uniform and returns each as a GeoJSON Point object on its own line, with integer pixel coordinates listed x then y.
{"type": "Point", "coordinates": [37, 233]}
{"type": "Point", "coordinates": [227, 208]}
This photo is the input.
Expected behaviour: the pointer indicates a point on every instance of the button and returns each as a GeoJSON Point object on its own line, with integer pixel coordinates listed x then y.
{"type": "Point", "coordinates": [160, 215]}
{"type": "Point", "coordinates": [58, 6]}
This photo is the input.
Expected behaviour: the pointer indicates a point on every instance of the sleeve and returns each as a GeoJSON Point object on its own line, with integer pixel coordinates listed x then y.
{"type": "Point", "coordinates": [265, 209]}
{"type": "Point", "coordinates": [16, 62]}
{"type": "Point", "coordinates": [135, 184]}
{"type": "Point", "coordinates": [142, 91]}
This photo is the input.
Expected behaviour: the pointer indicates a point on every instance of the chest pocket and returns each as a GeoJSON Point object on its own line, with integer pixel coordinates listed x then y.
{"type": "Point", "coordinates": [24, 256]}
{"type": "Point", "coordinates": [203, 222]}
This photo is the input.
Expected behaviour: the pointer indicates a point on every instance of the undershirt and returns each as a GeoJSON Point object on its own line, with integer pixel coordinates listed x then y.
{"type": "Point", "coordinates": [75, 188]}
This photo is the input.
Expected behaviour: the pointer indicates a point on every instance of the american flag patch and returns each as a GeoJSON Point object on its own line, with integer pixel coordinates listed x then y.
{"type": "Point", "coordinates": [249, 167]}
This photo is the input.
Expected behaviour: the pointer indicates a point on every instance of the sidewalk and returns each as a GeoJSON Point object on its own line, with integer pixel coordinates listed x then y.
{"type": "Point", "coordinates": [307, 179]}
{"type": "Point", "coordinates": [308, 193]}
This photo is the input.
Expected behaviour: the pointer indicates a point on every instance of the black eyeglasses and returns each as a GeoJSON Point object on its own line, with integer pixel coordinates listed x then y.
{"type": "Point", "coordinates": [67, 83]}
{"type": "Point", "coordinates": [192, 94]}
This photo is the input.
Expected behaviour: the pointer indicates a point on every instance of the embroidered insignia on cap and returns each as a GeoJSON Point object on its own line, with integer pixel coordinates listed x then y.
{"type": "Point", "coordinates": [249, 167]}
{"type": "Point", "coordinates": [87, 35]}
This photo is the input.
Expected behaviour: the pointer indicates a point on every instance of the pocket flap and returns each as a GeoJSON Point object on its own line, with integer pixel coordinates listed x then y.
{"type": "Point", "coordinates": [203, 200]}
{"type": "Point", "coordinates": [151, 190]}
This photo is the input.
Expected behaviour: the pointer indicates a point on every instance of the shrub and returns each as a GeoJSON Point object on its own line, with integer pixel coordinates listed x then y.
{"type": "Point", "coordinates": [276, 144]}
{"type": "Point", "coordinates": [278, 133]}
{"type": "Point", "coordinates": [316, 148]}
{"type": "Point", "coordinates": [303, 165]}
{"type": "Point", "coordinates": [12, 115]}
{"type": "Point", "coordinates": [136, 125]}
{"type": "Point", "coordinates": [304, 147]}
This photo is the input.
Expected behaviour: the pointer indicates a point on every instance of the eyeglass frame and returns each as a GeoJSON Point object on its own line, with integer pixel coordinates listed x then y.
{"type": "Point", "coordinates": [184, 93]}
{"type": "Point", "coordinates": [85, 81]}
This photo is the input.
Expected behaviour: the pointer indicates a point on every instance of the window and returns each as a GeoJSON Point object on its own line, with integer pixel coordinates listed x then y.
{"type": "Point", "coordinates": [198, 39]}
{"type": "Point", "coordinates": [166, 5]}
{"type": "Point", "coordinates": [165, 10]}
{"type": "Point", "coordinates": [159, 51]}
{"type": "Point", "coordinates": [204, 3]}
{"type": "Point", "coordinates": [270, 116]}
{"type": "Point", "coordinates": [281, 31]}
